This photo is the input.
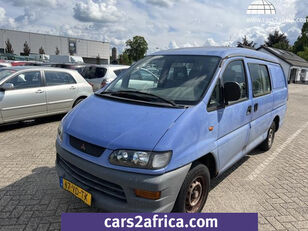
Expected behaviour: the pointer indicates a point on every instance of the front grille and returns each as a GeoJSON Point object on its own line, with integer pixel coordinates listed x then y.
{"type": "Point", "coordinates": [105, 187]}
{"type": "Point", "coordinates": [83, 146]}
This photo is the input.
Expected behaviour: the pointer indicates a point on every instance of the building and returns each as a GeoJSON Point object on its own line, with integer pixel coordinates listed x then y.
{"type": "Point", "coordinates": [295, 67]}
{"type": "Point", "coordinates": [90, 50]}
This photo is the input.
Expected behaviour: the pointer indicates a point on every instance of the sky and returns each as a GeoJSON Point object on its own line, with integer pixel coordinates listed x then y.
{"type": "Point", "coordinates": [165, 24]}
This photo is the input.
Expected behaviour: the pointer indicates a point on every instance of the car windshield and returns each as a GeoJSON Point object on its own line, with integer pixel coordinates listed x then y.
{"type": "Point", "coordinates": [5, 73]}
{"type": "Point", "coordinates": [180, 79]}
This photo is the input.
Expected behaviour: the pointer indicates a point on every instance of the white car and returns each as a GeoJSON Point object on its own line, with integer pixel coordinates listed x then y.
{"type": "Point", "coordinates": [100, 75]}
{"type": "Point", "coordinates": [5, 64]}
{"type": "Point", "coordinates": [31, 92]}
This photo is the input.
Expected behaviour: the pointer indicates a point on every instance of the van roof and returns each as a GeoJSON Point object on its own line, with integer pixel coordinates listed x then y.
{"type": "Point", "coordinates": [223, 52]}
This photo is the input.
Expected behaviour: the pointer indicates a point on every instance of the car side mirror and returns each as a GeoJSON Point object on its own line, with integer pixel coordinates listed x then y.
{"type": "Point", "coordinates": [232, 91]}
{"type": "Point", "coordinates": [7, 86]}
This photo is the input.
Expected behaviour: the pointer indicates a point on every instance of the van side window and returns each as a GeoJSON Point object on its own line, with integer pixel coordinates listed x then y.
{"type": "Point", "coordinates": [261, 83]}
{"type": "Point", "coordinates": [278, 75]}
{"type": "Point", "coordinates": [235, 72]}
{"type": "Point", "coordinates": [216, 98]}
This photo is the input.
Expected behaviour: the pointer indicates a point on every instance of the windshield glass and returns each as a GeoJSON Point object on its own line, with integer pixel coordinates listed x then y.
{"type": "Point", "coordinates": [181, 79]}
{"type": "Point", "coordinates": [5, 73]}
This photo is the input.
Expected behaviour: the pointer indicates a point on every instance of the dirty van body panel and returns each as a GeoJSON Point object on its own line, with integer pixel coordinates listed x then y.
{"type": "Point", "coordinates": [104, 122]}
{"type": "Point", "coordinates": [279, 84]}
{"type": "Point", "coordinates": [280, 92]}
{"type": "Point", "coordinates": [195, 140]}
{"type": "Point", "coordinates": [262, 107]}
{"type": "Point", "coordinates": [268, 106]}
{"type": "Point", "coordinates": [86, 174]}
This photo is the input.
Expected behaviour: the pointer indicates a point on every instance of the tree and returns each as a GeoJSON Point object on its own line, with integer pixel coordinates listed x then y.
{"type": "Point", "coordinates": [282, 46]}
{"type": "Point", "coordinates": [124, 59]}
{"type": "Point", "coordinates": [277, 37]}
{"type": "Point", "coordinates": [304, 54]}
{"type": "Point", "coordinates": [8, 47]}
{"type": "Point", "coordinates": [302, 40]}
{"type": "Point", "coordinates": [57, 51]}
{"type": "Point", "coordinates": [98, 59]}
{"type": "Point", "coordinates": [27, 49]}
{"type": "Point", "coordinates": [246, 43]}
{"type": "Point", "coordinates": [137, 48]}
{"type": "Point", "coordinates": [41, 51]}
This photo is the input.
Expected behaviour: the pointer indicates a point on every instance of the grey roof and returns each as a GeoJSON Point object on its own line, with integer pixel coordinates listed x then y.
{"type": "Point", "coordinates": [286, 56]}
{"type": "Point", "coordinates": [223, 52]}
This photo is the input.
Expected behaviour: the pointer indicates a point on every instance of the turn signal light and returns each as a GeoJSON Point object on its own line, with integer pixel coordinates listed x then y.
{"type": "Point", "coordinates": [147, 194]}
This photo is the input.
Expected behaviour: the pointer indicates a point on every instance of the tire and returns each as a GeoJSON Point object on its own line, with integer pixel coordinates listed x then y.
{"type": "Point", "coordinates": [196, 182]}
{"type": "Point", "coordinates": [77, 102]}
{"type": "Point", "coordinates": [268, 142]}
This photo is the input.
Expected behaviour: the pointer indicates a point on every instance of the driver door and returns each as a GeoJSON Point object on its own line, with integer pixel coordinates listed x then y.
{"type": "Point", "coordinates": [26, 100]}
{"type": "Point", "coordinates": [234, 119]}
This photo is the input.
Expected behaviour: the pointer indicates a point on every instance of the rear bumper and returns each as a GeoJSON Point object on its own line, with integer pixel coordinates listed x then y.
{"type": "Point", "coordinates": [113, 190]}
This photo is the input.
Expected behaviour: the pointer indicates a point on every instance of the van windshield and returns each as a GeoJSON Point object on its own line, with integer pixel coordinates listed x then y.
{"type": "Point", "coordinates": [177, 79]}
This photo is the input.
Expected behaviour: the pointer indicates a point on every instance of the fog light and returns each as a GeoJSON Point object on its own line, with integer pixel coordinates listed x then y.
{"type": "Point", "coordinates": [147, 194]}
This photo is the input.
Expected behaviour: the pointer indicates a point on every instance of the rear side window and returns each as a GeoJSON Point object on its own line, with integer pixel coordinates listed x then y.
{"type": "Point", "coordinates": [277, 74]}
{"type": "Point", "coordinates": [261, 83]}
{"type": "Point", "coordinates": [54, 78]}
{"type": "Point", "coordinates": [94, 72]}
{"type": "Point", "coordinates": [235, 72]}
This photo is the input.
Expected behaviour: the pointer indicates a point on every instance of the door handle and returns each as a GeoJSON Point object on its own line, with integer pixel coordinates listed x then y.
{"type": "Point", "coordinates": [72, 88]}
{"type": "Point", "coordinates": [249, 110]}
{"type": "Point", "coordinates": [255, 107]}
{"type": "Point", "coordinates": [39, 91]}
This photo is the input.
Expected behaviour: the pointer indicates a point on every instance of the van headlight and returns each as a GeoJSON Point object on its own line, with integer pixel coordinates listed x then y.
{"type": "Point", "coordinates": [60, 132]}
{"type": "Point", "coordinates": [140, 159]}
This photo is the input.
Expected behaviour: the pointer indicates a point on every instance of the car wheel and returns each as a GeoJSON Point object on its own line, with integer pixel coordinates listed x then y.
{"type": "Point", "coordinates": [268, 142]}
{"type": "Point", "coordinates": [194, 191]}
{"type": "Point", "coordinates": [77, 102]}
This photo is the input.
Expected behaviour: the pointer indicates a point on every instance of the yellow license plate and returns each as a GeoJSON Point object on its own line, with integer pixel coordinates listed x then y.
{"type": "Point", "coordinates": [77, 191]}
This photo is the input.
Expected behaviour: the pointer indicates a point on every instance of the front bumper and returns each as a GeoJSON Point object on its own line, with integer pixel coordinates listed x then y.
{"type": "Point", "coordinates": [113, 190]}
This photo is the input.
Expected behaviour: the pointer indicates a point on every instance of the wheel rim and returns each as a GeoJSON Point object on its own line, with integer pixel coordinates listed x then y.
{"type": "Point", "coordinates": [195, 195]}
{"type": "Point", "coordinates": [270, 136]}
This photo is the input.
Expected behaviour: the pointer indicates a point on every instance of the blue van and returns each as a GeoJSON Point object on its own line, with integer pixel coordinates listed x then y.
{"type": "Point", "coordinates": [152, 140]}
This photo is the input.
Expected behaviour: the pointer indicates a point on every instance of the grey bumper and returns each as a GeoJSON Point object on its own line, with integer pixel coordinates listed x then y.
{"type": "Point", "coordinates": [113, 190]}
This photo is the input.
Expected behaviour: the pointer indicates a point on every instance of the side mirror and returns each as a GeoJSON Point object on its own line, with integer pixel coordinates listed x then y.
{"type": "Point", "coordinates": [7, 86]}
{"type": "Point", "coordinates": [232, 91]}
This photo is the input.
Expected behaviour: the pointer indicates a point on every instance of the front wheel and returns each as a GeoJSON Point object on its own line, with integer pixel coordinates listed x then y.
{"type": "Point", "coordinates": [194, 191]}
{"type": "Point", "coordinates": [78, 101]}
{"type": "Point", "coordinates": [268, 142]}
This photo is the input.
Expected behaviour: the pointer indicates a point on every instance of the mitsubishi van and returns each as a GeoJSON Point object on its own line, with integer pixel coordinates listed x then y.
{"type": "Point", "coordinates": [152, 140]}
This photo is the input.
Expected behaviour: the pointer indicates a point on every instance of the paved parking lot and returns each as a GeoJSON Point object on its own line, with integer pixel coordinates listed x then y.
{"type": "Point", "coordinates": [274, 184]}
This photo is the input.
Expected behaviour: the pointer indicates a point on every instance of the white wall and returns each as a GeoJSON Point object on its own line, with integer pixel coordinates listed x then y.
{"type": "Point", "coordinates": [85, 48]}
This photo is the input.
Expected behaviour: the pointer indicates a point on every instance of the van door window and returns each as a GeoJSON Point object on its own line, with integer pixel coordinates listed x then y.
{"type": "Point", "coordinates": [216, 100]}
{"type": "Point", "coordinates": [235, 72]}
{"type": "Point", "coordinates": [261, 83]}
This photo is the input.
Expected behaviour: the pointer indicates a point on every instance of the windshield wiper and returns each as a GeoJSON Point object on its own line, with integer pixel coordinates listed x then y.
{"type": "Point", "coordinates": [149, 95]}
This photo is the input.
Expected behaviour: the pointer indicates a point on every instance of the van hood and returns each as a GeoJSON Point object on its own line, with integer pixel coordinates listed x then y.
{"type": "Point", "coordinates": [120, 125]}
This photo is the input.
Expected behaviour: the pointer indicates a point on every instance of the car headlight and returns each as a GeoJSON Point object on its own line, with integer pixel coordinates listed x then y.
{"type": "Point", "coordinates": [140, 159]}
{"type": "Point", "coordinates": [60, 132]}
